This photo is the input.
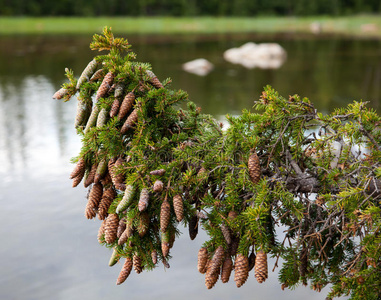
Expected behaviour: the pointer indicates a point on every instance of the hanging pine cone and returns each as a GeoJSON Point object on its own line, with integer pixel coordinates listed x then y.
{"type": "Point", "coordinates": [79, 168]}
{"type": "Point", "coordinates": [143, 225]}
{"type": "Point", "coordinates": [112, 223]}
{"type": "Point", "coordinates": [89, 179]}
{"type": "Point", "coordinates": [137, 262]}
{"type": "Point", "coordinates": [87, 73]}
{"type": "Point", "coordinates": [121, 227]}
{"type": "Point", "coordinates": [226, 233]}
{"type": "Point", "coordinates": [202, 259]}
{"type": "Point", "coordinates": [126, 105]}
{"type": "Point", "coordinates": [159, 172]}
{"type": "Point", "coordinates": [91, 207]}
{"type": "Point", "coordinates": [260, 268]}
{"type": "Point", "coordinates": [211, 279]}
{"type": "Point", "coordinates": [165, 243]}
{"type": "Point", "coordinates": [178, 207]}
{"type": "Point", "coordinates": [125, 272]}
{"type": "Point", "coordinates": [216, 262]}
{"type": "Point", "coordinates": [78, 179]}
{"type": "Point", "coordinates": [102, 117]}
{"type": "Point", "coordinates": [241, 269]}
{"type": "Point", "coordinates": [158, 186]}
{"type": "Point", "coordinates": [101, 232]}
{"type": "Point", "coordinates": [165, 214]}
{"type": "Point", "coordinates": [118, 177]}
{"type": "Point", "coordinates": [126, 233]}
{"type": "Point", "coordinates": [101, 170]}
{"type": "Point", "coordinates": [251, 261]}
{"type": "Point", "coordinates": [143, 200]}
{"type": "Point", "coordinates": [107, 198]}
{"type": "Point", "coordinates": [154, 80]}
{"type": "Point", "coordinates": [105, 86]}
{"type": "Point", "coordinates": [60, 93]}
{"type": "Point", "coordinates": [193, 227]}
{"type": "Point", "coordinates": [154, 257]}
{"type": "Point", "coordinates": [106, 180]}
{"type": "Point", "coordinates": [114, 257]}
{"type": "Point", "coordinates": [130, 121]}
{"type": "Point", "coordinates": [97, 75]}
{"type": "Point", "coordinates": [95, 197]}
{"type": "Point", "coordinates": [226, 269]}
{"type": "Point", "coordinates": [165, 263]}
{"type": "Point", "coordinates": [114, 108]}
{"type": "Point", "coordinates": [127, 199]}
{"type": "Point", "coordinates": [84, 108]}
{"type": "Point", "coordinates": [254, 168]}
{"type": "Point", "coordinates": [92, 121]}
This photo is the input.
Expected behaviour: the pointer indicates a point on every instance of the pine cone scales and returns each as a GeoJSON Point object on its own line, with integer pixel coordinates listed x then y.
{"type": "Point", "coordinates": [60, 93]}
{"type": "Point", "coordinates": [105, 85]}
{"type": "Point", "coordinates": [254, 168]}
{"type": "Point", "coordinates": [226, 233]}
{"type": "Point", "coordinates": [97, 75]}
{"type": "Point", "coordinates": [101, 231]}
{"type": "Point", "coordinates": [92, 121]}
{"type": "Point", "coordinates": [211, 279]}
{"type": "Point", "coordinates": [95, 197]}
{"type": "Point", "coordinates": [130, 121]}
{"type": "Point", "coordinates": [125, 272]}
{"type": "Point", "coordinates": [87, 73]}
{"type": "Point", "coordinates": [126, 105]}
{"type": "Point", "coordinates": [226, 269]}
{"type": "Point", "coordinates": [143, 200]}
{"type": "Point", "coordinates": [127, 199]}
{"type": "Point", "coordinates": [165, 214]}
{"type": "Point", "coordinates": [79, 168]}
{"type": "Point", "coordinates": [154, 80]}
{"type": "Point", "coordinates": [202, 260]}
{"type": "Point", "coordinates": [154, 257]}
{"type": "Point", "coordinates": [114, 108]}
{"type": "Point", "coordinates": [143, 224]}
{"type": "Point", "coordinates": [112, 223]}
{"type": "Point", "coordinates": [90, 176]}
{"type": "Point", "coordinates": [121, 227]}
{"type": "Point", "coordinates": [107, 198]}
{"type": "Point", "coordinates": [260, 268]}
{"type": "Point", "coordinates": [217, 259]}
{"type": "Point", "coordinates": [102, 118]}
{"type": "Point", "coordinates": [137, 262]}
{"type": "Point", "coordinates": [241, 272]}
{"type": "Point", "coordinates": [83, 112]}
{"type": "Point", "coordinates": [178, 207]}
{"type": "Point", "coordinates": [158, 186]}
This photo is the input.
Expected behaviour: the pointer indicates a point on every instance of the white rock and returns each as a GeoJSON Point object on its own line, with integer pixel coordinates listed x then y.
{"type": "Point", "coordinates": [199, 66]}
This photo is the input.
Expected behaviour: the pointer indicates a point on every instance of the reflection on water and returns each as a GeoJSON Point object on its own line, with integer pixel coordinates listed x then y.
{"type": "Point", "coordinates": [49, 250]}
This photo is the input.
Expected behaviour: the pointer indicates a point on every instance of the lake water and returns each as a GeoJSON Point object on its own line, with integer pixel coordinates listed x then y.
{"type": "Point", "coordinates": [48, 249]}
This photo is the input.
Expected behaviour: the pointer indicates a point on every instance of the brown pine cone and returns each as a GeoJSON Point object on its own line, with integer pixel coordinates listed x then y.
{"type": "Point", "coordinates": [126, 105]}
{"type": "Point", "coordinates": [154, 257]}
{"type": "Point", "coordinates": [165, 214]}
{"type": "Point", "coordinates": [159, 172]}
{"type": "Point", "coordinates": [77, 180]}
{"type": "Point", "coordinates": [178, 207]}
{"type": "Point", "coordinates": [112, 223]}
{"type": "Point", "coordinates": [87, 73]}
{"type": "Point", "coordinates": [91, 207]}
{"type": "Point", "coordinates": [102, 117]}
{"type": "Point", "coordinates": [60, 93]}
{"type": "Point", "coordinates": [193, 227]}
{"type": "Point", "coordinates": [241, 269]}
{"type": "Point", "coordinates": [126, 233]}
{"type": "Point", "coordinates": [125, 272]}
{"type": "Point", "coordinates": [137, 262]}
{"type": "Point", "coordinates": [143, 200]}
{"type": "Point", "coordinates": [101, 232]}
{"type": "Point", "coordinates": [226, 233]}
{"type": "Point", "coordinates": [121, 227]}
{"type": "Point", "coordinates": [254, 168]}
{"type": "Point", "coordinates": [114, 108]}
{"type": "Point", "coordinates": [95, 197]}
{"type": "Point", "coordinates": [107, 198]}
{"type": "Point", "coordinates": [226, 269]}
{"type": "Point", "coordinates": [202, 259]}
{"type": "Point", "coordinates": [79, 168]}
{"type": "Point", "coordinates": [143, 225]}
{"type": "Point", "coordinates": [211, 279]}
{"type": "Point", "coordinates": [154, 80]}
{"type": "Point", "coordinates": [130, 121]}
{"type": "Point", "coordinates": [216, 262]}
{"type": "Point", "coordinates": [260, 268]}
{"type": "Point", "coordinates": [105, 86]}
{"type": "Point", "coordinates": [158, 186]}
{"type": "Point", "coordinates": [90, 176]}
{"type": "Point", "coordinates": [97, 75]}
{"type": "Point", "coordinates": [100, 171]}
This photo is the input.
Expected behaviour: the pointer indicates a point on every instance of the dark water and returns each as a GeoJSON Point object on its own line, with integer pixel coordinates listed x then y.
{"type": "Point", "coordinates": [48, 249]}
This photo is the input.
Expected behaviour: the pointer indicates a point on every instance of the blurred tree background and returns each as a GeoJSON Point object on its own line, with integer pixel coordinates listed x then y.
{"type": "Point", "coordinates": [187, 7]}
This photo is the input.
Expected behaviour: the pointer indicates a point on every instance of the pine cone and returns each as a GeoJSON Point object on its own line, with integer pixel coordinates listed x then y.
{"type": "Point", "coordinates": [127, 199]}
{"type": "Point", "coordinates": [165, 214]}
{"type": "Point", "coordinates": [97, 75]}
{"type": "Point", "coordinates": [101, 171]}
{"type": "Point", "coordinates": [143, 224]}
{"type": "Point", "coordinates": [154, 80]}
{"type": "Point", "coordinates": [60, 93]}
{"type": "Point", "coordinates": [158, 186]}
{"type": "Point", "coordinates": [125, 272]}
{"type": "Point", "coordinates": [202, 259]}
{"type": "Point", "coordinates": [241, 269]}
{"type": "Point", "coordinates": [211, 279]}
{"type": "Point", "coordinates": [114, 257]}
{"type": "Point", "coordinates": [112, 223]}
{"type": "Point", "coordinates": [126, 105]}
{"type": "Point", "coordinates": [114, 108]}
{"type": "Point", "coordinates": [260, 268]}
{"type": "Point", "coordinates": [87, 73]}
{"type": "Point", "coordinates": [101, 232]}
{"type": "Point", "coordinates": [165, 243]}
{"type": "Point", "coordinates": [217, 259]}
{"type": "Point", "coordinates": [232, 215]}
{"type": "Point", "coordinates": [83, 112]}
{"type": "Point", "coordinates": [118, 179]}
{"type": "Point", "coordinates": [95, 197]}
{"type": "Point", "coordinates": [226, 269]}
{"type": "Point", "coordinates": [130, 121]}
{"type": "Point", "coordinates": [137, 262]}
{"type": "Point", "coordinates": [102, 118]}
{"type": "Point", "coordinates": [107, 198]}
{"type": "Point", "coordinates": [159, 172]}
{"type": "Point", "coordinates": [126, 233]}
{"type": "Point", "coordinates": [226, 233]}
{"type": "Point", "coordinates": [79, 168]}
{"type": "Point", "coordinates": [178, 207]}
{"type": "Point", "coordinates": [121, 227]}
{"type": "Point", "coordinates": [154, 257]}
{"type": "Point", "coordinates": [254, 168]}
{"type": "Point", "coordinates": [193, 227]}
{"type": "Point", "coordinates": [90, 176]}
{"type": "Point", "coordinates": [92, 121]}
{"type": "Point", "coordinates": [105, 86]}
{"type": "Point", "coordinates": [119, 87]}
{"type": "Point", "coordinates": [77, 180]}
{"type": "Point", "coordinates": [143, 200]}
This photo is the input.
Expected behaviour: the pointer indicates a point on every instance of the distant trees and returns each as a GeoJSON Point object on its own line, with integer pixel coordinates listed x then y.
{"type": "Point", "coordinates": [186, 7]}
